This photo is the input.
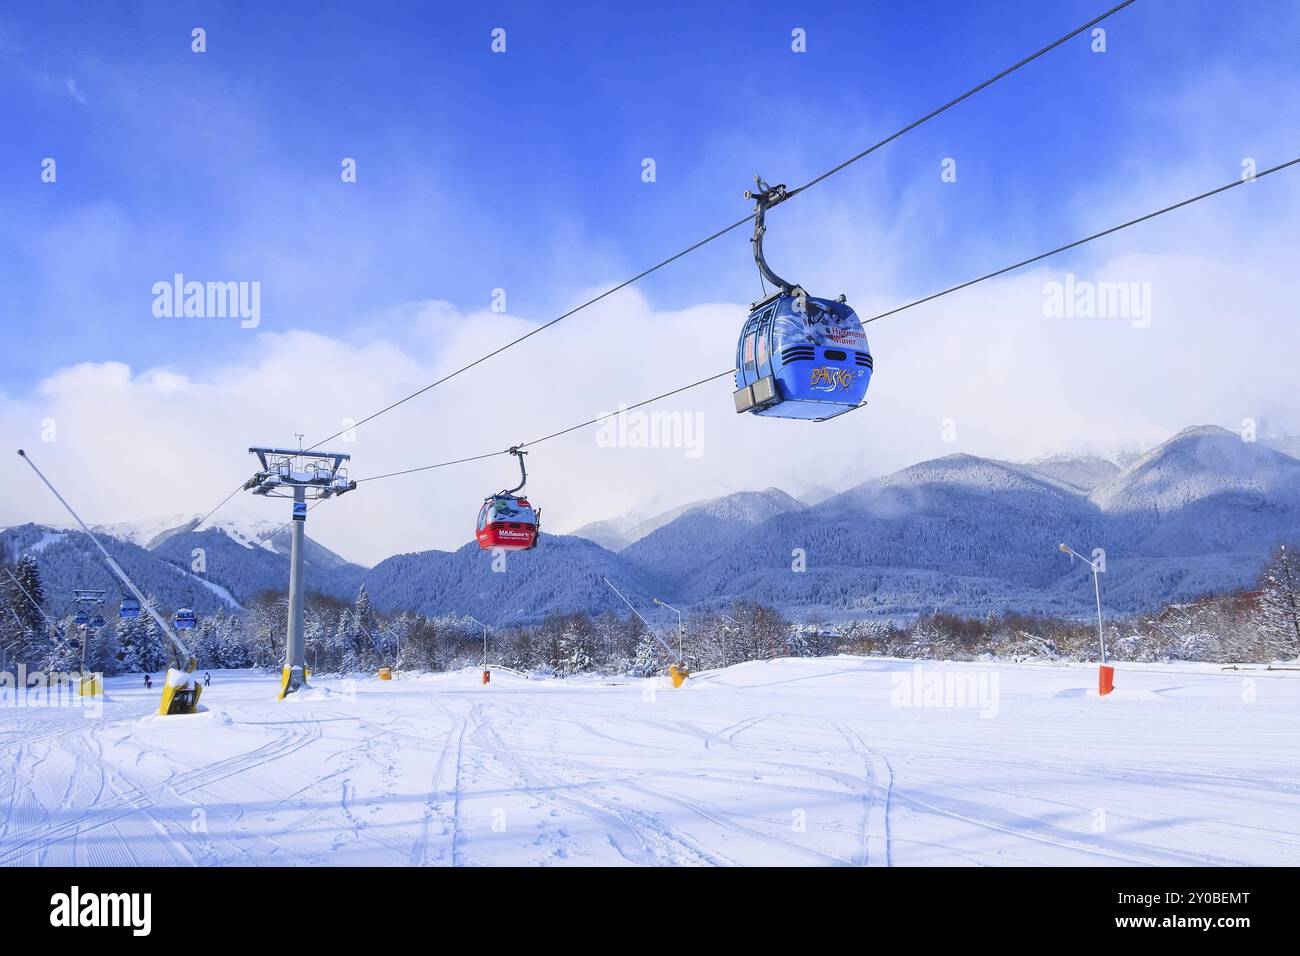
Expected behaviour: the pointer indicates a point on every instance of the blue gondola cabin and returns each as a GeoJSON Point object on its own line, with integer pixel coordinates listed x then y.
{"type": "Point", "coordinates": [800, 357]}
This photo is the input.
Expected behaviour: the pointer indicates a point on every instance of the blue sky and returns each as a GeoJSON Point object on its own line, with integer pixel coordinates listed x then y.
{"type": "Point", "coordinates": [523, 170]}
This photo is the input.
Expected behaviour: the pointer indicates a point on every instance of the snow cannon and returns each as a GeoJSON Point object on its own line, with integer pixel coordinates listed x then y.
{"type": "Point", "coordinates": [385, 673]}
{"type": "Point", "coordinates": [678, 673]}
{"type": "Point", "coordinates": [1105, 680]}
{"type": "Point", "coordinates": [180, 693]}
{"type": "Point", "coordinates": [180, 690]}
{"type": "Point", "coordinates": [90, 686]}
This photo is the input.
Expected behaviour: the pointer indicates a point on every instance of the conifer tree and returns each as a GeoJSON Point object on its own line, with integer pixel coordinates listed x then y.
{"type": "Point", "coordinates": [1279, 602]}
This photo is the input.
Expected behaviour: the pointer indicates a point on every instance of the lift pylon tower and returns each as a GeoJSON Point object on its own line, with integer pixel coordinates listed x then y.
{"type": "Point", "coordinates": [299, 475]}
{"type": "Point", "coordinates": [85, 599]}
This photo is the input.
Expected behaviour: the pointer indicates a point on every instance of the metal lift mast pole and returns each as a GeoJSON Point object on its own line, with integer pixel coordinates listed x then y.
{"type": "Point", "coordinates": [293, 473]}
{"type": "Point", "coordinates": [81, 598]}
{"type": "Point", "coordinates": [296, 651]}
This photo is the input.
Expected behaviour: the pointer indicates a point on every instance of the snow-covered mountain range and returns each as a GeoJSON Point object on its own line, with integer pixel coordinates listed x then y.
{"type": "Point", "coordinates": [218, 567]}
{"type": "Point", "coordinates": [149, 533]}
{"type": "Point", "coordinates": [1197, 514]}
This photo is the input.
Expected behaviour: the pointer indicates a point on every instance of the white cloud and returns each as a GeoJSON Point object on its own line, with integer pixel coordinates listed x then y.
{"type": "Point", "coordinates": [1016, 383]}
{"type": "Point", "coordinates": [1220, 348]}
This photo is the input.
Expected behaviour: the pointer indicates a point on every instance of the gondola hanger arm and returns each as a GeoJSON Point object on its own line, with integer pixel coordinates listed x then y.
{"type": "Point", "coordinates": [764, 198]}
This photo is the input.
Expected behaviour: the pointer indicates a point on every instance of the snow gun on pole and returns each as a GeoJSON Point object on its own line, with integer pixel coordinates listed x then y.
{"type": "Point", "coordinates": [180, 690]}
{"type": "Point", "coordinates": [676, 671]}
{"type": "Point", "coordinates": [1105, 671]}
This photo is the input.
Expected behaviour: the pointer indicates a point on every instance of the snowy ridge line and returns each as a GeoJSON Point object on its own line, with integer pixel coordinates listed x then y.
{"type": "Point", "coordinates": [1176, 524]}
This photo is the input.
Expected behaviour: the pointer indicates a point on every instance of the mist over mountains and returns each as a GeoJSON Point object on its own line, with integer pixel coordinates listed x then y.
{"type": "Point", "coordinates": [1197, 514]}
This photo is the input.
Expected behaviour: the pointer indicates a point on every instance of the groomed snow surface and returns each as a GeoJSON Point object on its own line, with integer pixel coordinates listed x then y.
{"type": "Point", "coordinates": [790, 762]}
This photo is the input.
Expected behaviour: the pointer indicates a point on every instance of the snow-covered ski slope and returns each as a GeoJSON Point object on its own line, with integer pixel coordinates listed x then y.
{"type": "Point", "coordinates": [791, 762]}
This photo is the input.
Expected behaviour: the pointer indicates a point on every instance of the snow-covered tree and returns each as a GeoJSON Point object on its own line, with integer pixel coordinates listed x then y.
{"type": "Point", "coordinates": [23, 627]}
{"type": "Point", "coordinates": [363, 614]}
{"type": "Point", "coordinates": [63, 652]}
{"type": "Point", "coordinates": [103, 655]}
{"type": "Point", "coordinates": [577, 646]}
{"type": "Point", "coordinates": [217, 643]}
{"type": "Point", "coordinates": [27, 594]}
{"type": "Point", "coordinates": [265, 621]}
{"type": "Point", "coordinates": [796, 644]}
{"type": "Point", "coordinates": [1279, 602]}
{"type": "Point", "coordinates": [142, 645]}
{"type": "Point", "coordinates": [648, 661]}
{"type": "Point", "coordinates": [350, 644]}
{"type": "Point", "coordinates": [762, 631]}
{"type": "Point", "coordinates": [204, 644]}
{"type": "Point", "coordinates": [233, 653]}
{"type": "Point", "coordinates": [128, 635]}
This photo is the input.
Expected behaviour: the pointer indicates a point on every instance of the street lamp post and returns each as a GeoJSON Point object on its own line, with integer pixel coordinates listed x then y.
{"type": "Point", "coordinates": [725, 655]}
{"type": "Point", "coordinates": [487, 674]}
{"type": "Point", "coordinates": [1106, 675]}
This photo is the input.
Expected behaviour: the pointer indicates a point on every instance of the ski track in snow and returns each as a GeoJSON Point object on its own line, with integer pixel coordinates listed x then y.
{"type": "Point", "coordinates": [792, 762]}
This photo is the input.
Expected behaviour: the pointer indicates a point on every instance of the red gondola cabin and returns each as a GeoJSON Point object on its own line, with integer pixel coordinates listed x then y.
{"type": "Point", "coordinates": [509, 523]}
